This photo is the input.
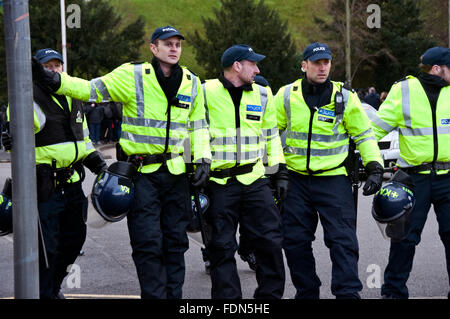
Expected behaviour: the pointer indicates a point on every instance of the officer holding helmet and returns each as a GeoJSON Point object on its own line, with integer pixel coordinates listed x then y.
{"type": "Point", "coordinates": [320, 117]}
{"type": "Point", "coordinates": [163, 121]}
{"type": "Point", "coordinates": [62, 148]}
{"type": "Point", "coordinates": [419, 108]}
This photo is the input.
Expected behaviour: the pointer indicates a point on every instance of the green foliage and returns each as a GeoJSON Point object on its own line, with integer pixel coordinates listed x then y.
{"type": "Point", "coordinates": [380, 56]}
{"type": "Point", "coordinates": [249, 23]}
{"type": "Point", "coordinates": [401, 35]}
{"type": "Point", "coordinates": [98, 46]}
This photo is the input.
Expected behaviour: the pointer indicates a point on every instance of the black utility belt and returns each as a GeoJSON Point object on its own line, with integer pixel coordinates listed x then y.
{"type": "Point", "coordinates": [142, 160]}
{"type": "Point", "coordinates": [233, 171]}
{"type": "Point", "coordinates": [436, 166]}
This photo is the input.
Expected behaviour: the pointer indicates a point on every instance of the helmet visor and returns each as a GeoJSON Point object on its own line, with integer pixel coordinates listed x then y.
{"type": "Point", "coordinates": [396, 230]}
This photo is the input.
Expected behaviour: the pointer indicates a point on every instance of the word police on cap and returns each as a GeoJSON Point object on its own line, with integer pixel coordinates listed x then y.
{"type": "Point", "coordinates": [319, 49]}
{"type": "Point", "coordinates": [168, 29]}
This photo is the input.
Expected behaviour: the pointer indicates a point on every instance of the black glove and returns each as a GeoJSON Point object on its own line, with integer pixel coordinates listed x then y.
{"type": "Point", "coordinates": [95, 162]}
{"type": "Point", "coordinates": [6, 140]}
{"type": "Point", "coordinates": [201, 175]}
{"type": "Point", "coordinates": [280, 181]}
{"type": "Point", "coordinates": [47, 78]}
{"type": "Point", "coordinates": [375, 178]}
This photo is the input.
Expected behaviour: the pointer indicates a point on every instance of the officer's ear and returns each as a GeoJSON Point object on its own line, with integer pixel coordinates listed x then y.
{"type": "Point", "coordinates": [304, 66]}
{"type": "Point", "coordinates": [237, 66]}
{"type": "Point", "coordinates": [154, 47]}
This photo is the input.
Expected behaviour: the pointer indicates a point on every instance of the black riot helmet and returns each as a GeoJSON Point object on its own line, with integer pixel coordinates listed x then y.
{"type": "Point", "coordinates": [392, 206]}
{"type": "Point", "coordinates": [113, 191]}
{"type": "Point", "coordinates": [6, 226]}
{"type": "Point", "coordinates": [194, 223]}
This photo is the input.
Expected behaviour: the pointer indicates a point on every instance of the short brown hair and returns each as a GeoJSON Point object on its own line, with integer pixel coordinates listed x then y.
{"type": "Point", "coordinates": [425, 67]}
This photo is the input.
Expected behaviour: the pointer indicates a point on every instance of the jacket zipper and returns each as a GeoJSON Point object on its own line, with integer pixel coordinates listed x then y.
{"type": "Point", "coordinates": [308, 150]}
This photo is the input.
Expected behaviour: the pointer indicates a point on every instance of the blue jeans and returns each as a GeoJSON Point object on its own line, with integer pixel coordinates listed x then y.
{"type": "Point", "coordinates": [430, 189]}
{"type": "Point", "coordinates": [94, 132]}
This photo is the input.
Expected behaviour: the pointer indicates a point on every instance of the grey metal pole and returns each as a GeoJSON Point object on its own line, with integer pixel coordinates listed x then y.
{"type": "Point", "coordinates": [348, 61]}
{"type": "Point", "coordinates": [25, 215]}
{"type": "Point", "coordinates": [63, 34]}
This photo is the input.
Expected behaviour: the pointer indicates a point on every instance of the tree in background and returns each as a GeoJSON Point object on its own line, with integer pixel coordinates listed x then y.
{"type": "Point", "coordinates": [380, 56]}
{"type": "Point", "coordinates": [98, 46]}
{"type": "Point", "coordinates": [247, 22]}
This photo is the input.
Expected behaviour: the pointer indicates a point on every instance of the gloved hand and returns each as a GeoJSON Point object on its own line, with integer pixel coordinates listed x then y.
{"type": "Point", "coordinates": [374, 179]}
{"type": "Point", "coordinates": [6, 140]}
{"type": "Point", "coordinates": [201, 175]}
{"type": "Point", "coordinates": [47, 78]}
{"type": "Point", "coordinates": [95, 162]}
{"type": "Point", "coordinates": [280, 181]}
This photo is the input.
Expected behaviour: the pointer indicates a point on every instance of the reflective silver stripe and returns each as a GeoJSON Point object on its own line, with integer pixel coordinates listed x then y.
{"type": "Point", "coordinates": [155, 140]}
{"type": "Point", "coordinates": [405, 103]}
{"type": "Point", "coordinates": [89, 146]}
{"type": "Point", "coordinates": [287, 105]}
{"type": "Point", "coordinates": [232, 156]}
{"type": "Point", "coordinates": [423, 131]}
{"type": "Point", "coordinates": [138, 83]}
{"type": "Point", "coordinates": [366, 139]}
{"type": "Point", "coordinates": [98, 83]}
{"type": "Point", "coordinates": [269, 131]}
{"type": "Point", "coordinates": [317, 137]}
{"type": "Point", "coordinates": [206, 103]}
{"type": "Point", "coordinates": [193, 91]}
{"type": "Point", "coordinates": [85, 132]}
{"type": "Point", "coordinates": [153, 123]}
{"type": "Point", "coordinates": [263, 95]}
{"type": "Point", "coordinates": [382, 124]}
{"type": "Point", "coordinates": [231, 140]}
{"type": "Point", "coordinates": [197, 125]}
{"type": "Point", "coordinates": [40, 115]}
{"type": "Point", "coordinates": [317, 152]}
{"type": "Point", "coordinates": [368, 131]}
{"type": "Point", "coordinates": [93, 93]}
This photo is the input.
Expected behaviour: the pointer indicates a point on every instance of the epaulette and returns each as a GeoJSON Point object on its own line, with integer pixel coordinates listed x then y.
{"type": "Point", "coordinates": [401, 80]}
{"type": "Point", "coordinates": [137, 62]}
{"type": "Point", "coordinates": [192, 72]}
{"type": "Point", "coordinates": [348, 87]}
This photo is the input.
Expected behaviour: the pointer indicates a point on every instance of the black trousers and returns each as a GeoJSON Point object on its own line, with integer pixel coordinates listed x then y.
{"type": "Point", "coordinates": [254, 209]}
{"type": "Point", "coordinates": [431, 189]}
{"type": "Point", "coordinates": [330, 199]}
{"type": "Point", "coordinates": [63, 226]}
{"type": "Point", "coordinates": [157, 226]}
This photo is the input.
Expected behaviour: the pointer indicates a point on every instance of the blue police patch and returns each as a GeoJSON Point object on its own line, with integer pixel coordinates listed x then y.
{"type": "Point", "coordinates": [184, 98]}
{"type": "Point", "coordinates": [326, 112]}
{"type": "Point", "coordinates": [445, 121]}
{"type": "Point", "coordinates": [254, 108]}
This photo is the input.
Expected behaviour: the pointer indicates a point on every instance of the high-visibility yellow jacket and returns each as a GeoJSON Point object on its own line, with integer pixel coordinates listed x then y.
{"type": "Point", "coordinates": [424, 133]}
{"type": "Point", "coordinates": [232, 146]}
{"type": "Point", "coordinates": [144, 112]}
{"type": "Point", "coordinates": [317, 139]}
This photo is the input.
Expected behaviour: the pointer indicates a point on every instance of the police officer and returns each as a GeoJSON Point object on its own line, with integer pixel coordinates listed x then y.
{"type": "Point", "coordinates": [242, 121]}
{"type": "Point", "coordinates": [162, 107]}
{"type": "Point", "coordinates": [419, 108]}
{"type": "Point", "coordinates": [62, 148]}
{"type": "Point", "coordinates": [320, 116]}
